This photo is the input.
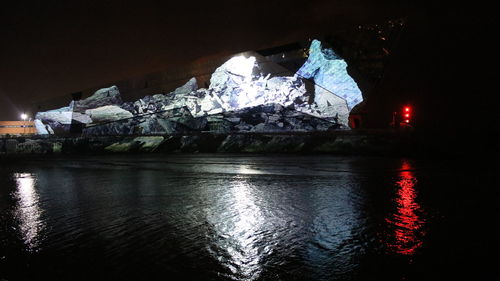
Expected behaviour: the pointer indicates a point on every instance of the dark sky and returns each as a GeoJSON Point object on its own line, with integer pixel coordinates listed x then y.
{"type": "Point", "coordinates": [53, 48]}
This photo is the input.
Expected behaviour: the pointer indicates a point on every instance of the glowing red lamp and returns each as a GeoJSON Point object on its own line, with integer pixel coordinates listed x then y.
{"type": "Point", "coordinates": [406, 114]}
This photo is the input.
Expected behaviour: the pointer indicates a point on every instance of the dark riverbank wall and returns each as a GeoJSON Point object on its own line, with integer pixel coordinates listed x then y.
{"type": "Point", "coordinates": [339, 142]}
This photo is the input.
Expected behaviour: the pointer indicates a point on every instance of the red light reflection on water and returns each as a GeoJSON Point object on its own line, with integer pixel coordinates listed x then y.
{"type": "Point", "coordinates": [406, 222]}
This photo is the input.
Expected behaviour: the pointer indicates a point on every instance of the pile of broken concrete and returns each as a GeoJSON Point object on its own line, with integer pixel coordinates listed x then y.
{"type": "Point", "coordinates": [246, 94]}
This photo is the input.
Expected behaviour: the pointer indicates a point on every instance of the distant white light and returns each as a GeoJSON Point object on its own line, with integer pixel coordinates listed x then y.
{"type": "Point", "coordinates": [24, 116]}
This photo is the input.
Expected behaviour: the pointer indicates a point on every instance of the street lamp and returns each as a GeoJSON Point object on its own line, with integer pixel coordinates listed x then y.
{"type": "Point", "coordinates": [24, 116]}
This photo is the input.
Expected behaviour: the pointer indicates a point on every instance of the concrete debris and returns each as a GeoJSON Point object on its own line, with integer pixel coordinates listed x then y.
{"type": "Point", "coordinates": [102, 97]}
{"type": "Point", "coordinates": [107, 113]}
{"type": "Point", "coordinates": [244, 95]}
{"type": "Point", "coordinates": [329, 73]}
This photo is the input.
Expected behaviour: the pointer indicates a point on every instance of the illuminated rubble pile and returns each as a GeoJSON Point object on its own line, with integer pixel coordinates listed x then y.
{"type": "Point", "coordinates": [330, 76]}
{"type": "Point", "coordinates": [244, 95]}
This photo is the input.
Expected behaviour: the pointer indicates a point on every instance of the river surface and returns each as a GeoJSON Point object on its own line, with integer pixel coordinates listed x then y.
{"type": "Point", "coordinates": [244, 217]}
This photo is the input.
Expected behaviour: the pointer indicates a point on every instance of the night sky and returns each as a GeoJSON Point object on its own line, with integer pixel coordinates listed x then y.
{"type": "Point", "coordinates": [53, 48]}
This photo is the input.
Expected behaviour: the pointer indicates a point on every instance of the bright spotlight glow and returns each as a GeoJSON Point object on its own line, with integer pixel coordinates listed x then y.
{"type": "Point", "coordinates": [241, 66]}
{"type": "Point", "coordinates": [24, 116]}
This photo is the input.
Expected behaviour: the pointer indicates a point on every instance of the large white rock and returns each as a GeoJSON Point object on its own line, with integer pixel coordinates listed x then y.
{"type": "Point", "coordinates": [40, 128]}
{"type": "Point", "coordinates": [330, 72]}
{"type": "Point", "coordinates": [61, 117]}
{"type": "Point", "coordinates": [327, 105]}
{"type": "Point", "coordinates": [187, 88]}
{"type": "Point", "coordinates": [102, 97]}
{"type": "Point", "coordinates": [81, 118]}
{"type": "Point", "coordinates": [234, 72]}
{"type": "Point", "coordinates": [108, 113]}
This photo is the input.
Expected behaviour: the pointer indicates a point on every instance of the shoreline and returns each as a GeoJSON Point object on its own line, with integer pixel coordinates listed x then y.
{"type": "Point", "coordinates": [348, 142]}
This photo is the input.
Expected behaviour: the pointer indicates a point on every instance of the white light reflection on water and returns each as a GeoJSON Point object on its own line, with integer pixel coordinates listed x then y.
{"type": "Point", "coordinates": [248, 170]}
{"type": "Point", "coordinates": [27, 210]}
{"type": "Point", "coordinates": [239, 231]}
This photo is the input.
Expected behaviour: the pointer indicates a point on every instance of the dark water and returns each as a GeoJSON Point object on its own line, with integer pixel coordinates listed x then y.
{"type": "Point", "coordinates": [220, 217]}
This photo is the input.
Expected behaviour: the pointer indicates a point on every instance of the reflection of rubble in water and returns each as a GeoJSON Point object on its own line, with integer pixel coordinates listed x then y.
{"type": "Point", "coordinates": [244, 95]}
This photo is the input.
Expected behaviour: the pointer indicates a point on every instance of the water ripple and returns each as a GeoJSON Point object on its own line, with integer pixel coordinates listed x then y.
{"type": "Point", "coordinates": [210, 218]}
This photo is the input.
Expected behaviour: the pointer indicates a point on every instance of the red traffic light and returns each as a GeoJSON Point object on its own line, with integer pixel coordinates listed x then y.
{"type": "Point", "coordinates": [403, 118]}
{"type": "Point", "coordinates": [406, 115]}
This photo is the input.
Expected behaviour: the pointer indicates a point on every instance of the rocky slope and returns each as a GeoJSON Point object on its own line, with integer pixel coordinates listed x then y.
{"type": "Point", "coordinates": [247, 93]}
